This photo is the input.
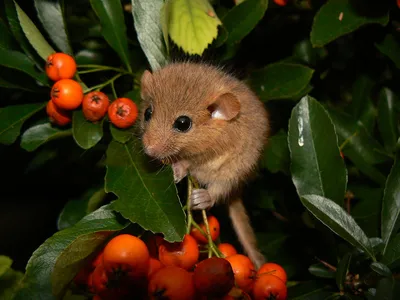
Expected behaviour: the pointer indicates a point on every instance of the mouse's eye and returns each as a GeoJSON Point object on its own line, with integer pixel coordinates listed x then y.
{"type": "Point", "coordinates": [183, 123]}
{"type": "Point", "coordinates": [147, 113]}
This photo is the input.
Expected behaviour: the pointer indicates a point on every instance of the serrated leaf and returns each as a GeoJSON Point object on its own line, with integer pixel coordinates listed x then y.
{"type": "Point", "coordinates": [342, 270]}
{"type": "Point", "coordinates": [280, 80]}
{"type": "Point", "coordinates": [59, 258]}
{"type": "Point", "coordinates": [391, 204]}
{"type": "Point", "coordinates": [276, 156]}
{"type": "Point", "coordinates": [387, 119]}
{"type": "Point", "coordinates": [13, 117]}
{"type": "Point", "coordinates": [51, 15]}
{"type": "Point", "coordinates": [148, 198]}
{"type": "Point", "coordinates": [338, 220]}
{"type": "Point", "coordinates": [319, 270]}
{"type": "Point", "coordinates": [19, 61]}
{"type": "Point", "coordinates": [390, 47]}
{"type": "Point", "coordinates": [193, 24]}
{"type": "Point", "coordinates": [242, 19]}
{"type": "Point", "coordinates": [5, 264]}
{"type": "Point", "coordinates": [337, 18]}
{"type": "Point", "coordinates": [147, 16]}
{"type": "Point", "coordinates": [113, 27]}
{"type": "Point", "coordinates": [381, 269]}
{"type": "Point", "coordinates": [33, 35]}
{"type": "Point", "coordinates": [40, 134]}
{"type": "Point", "coordinates": [86, 134]}
{"type": "Point", "coordinates": [121, 135]}
{"type": "Point", "coordinates": [316, 165]}
{"type": "Point", "coordinates": [391, 256]}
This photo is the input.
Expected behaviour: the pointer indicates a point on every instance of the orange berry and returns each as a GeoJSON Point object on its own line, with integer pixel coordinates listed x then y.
{"type": "Point", "coordinates": [183, 254]}
{"type": "Point", "coordinates": [227, 249]}
{"type": "Point", "coordinates": [67, 94]}
{"type": "Point", "coordinates": [244, 271]}
{"type": "Point", "coordinates": [60, 66]}
{"type": "Point", "coordinates": [57, 115]}
{"type": "Point", "coordinates": [123, 112]}
{"type": "Point", "coordinates": [213, 224]}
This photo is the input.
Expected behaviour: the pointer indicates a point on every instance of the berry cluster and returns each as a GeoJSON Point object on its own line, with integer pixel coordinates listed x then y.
{"type": "Point", "coordinates": [153, 268]}
{"type": "Point", "coordinates": [68, 95]}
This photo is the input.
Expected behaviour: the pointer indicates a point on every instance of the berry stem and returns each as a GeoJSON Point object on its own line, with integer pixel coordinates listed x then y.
{"type": "Point", "coordinates": [98, 68]}
{"type": "Point", "coordinates": [102, 85]}
{"type": "Point", "coordinates": [212, 248]}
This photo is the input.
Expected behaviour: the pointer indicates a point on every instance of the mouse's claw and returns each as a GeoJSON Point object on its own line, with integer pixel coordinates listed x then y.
{"type": "Point", "coordinates": [201, 199]}
{"type": "Point", "coordinates": [180, 171]}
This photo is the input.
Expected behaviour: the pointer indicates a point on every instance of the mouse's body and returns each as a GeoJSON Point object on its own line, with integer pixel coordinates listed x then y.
{"type": "Point", "coordinates": [210, 125]}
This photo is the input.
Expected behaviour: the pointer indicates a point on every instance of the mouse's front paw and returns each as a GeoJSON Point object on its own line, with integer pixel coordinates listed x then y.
{"type": "Point", "coordinates": [201, 199]}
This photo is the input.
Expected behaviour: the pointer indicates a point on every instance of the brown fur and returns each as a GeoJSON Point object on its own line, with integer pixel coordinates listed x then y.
{"type": "Point", "coordinates": [219, 153]}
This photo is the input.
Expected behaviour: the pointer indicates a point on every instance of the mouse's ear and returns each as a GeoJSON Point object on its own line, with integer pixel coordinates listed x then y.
{"type": "Point", "coordinates": [145, 82]}
{"type": "Point", "coordinates": [225, 107]}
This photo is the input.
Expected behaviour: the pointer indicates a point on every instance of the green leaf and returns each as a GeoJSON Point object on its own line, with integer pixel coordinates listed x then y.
{"type": "Point", "coordinates": [33, 35]}
{"type": "Point", "coordinates": [19, 61]}
{"type": "Point", "coordinates": [54, 264]}
{"type": "Point", "coordinates": [316, 165]}
{"type": "Point", "coordinates": [321, 271]}
{"type": "Point", "coordinates": [391, 204]}
{"type": "Point", "coordinates": [358, 145]}
{"type": "Point", "coordinates": [390, 47]}
{"type": "Point", "coordinates": [309, 290]}
{"type": "Point", "coordinates": [391, 257]}
{"type": "Point", "coordinates": [342, 270]}
{"type": "Point", "coordinates": [192, 24]}
{"type": "Point", "coordinates": [242, 19]}
{"type": "Point", "coordinates": [40, 134]}
{"type": "Point", "coordinates": [112, 21]}
{"type": "Point", "coordinates": [387, 289]}
{"type": "Point", "coordinates": [276, 156]}
{"type": "Point", "coordinates": [387, 119]}
{"type": "Point", "coordinates": [51, 15]}
{"type": "Point", "coordinates": [144, 197]}
{"type": "Point", "coordinates": [381, 269]}
{"type": "Point", "coordinates": [5, 264]}
{"type": "Point", "coordinates": [10, 85]}
{"type": "Point", "coordinates": [75, 209]}
{"type": "Point", "coordinates": [361, 94]}
{"type": "Point", "coordinates": [86, 134]}
{"type": "Point", "coordinates": [9, 284]}
{"type": "Point", "coordinates": [280, 80]}
{"type": "Point", "coordinates": [13, 117]}
{"type": "Point", "coordinates": [147, 16]}
{"type": "Point", "coordinates": [15, 27]}
{"type": "Point", "coordinates": [338, 220]}
{"type": "Point", "coordinates": [367, 207]}
{"type": "Point", "coordinates": [6, 38]}
{"type": "Point", "coordinates": [121, 135]}
{"type": "Point", "coordinates": [337, 18]}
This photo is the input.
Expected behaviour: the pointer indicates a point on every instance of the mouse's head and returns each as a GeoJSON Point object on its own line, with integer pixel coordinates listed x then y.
{"type": "Point", "coordinates": [185, 108]}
